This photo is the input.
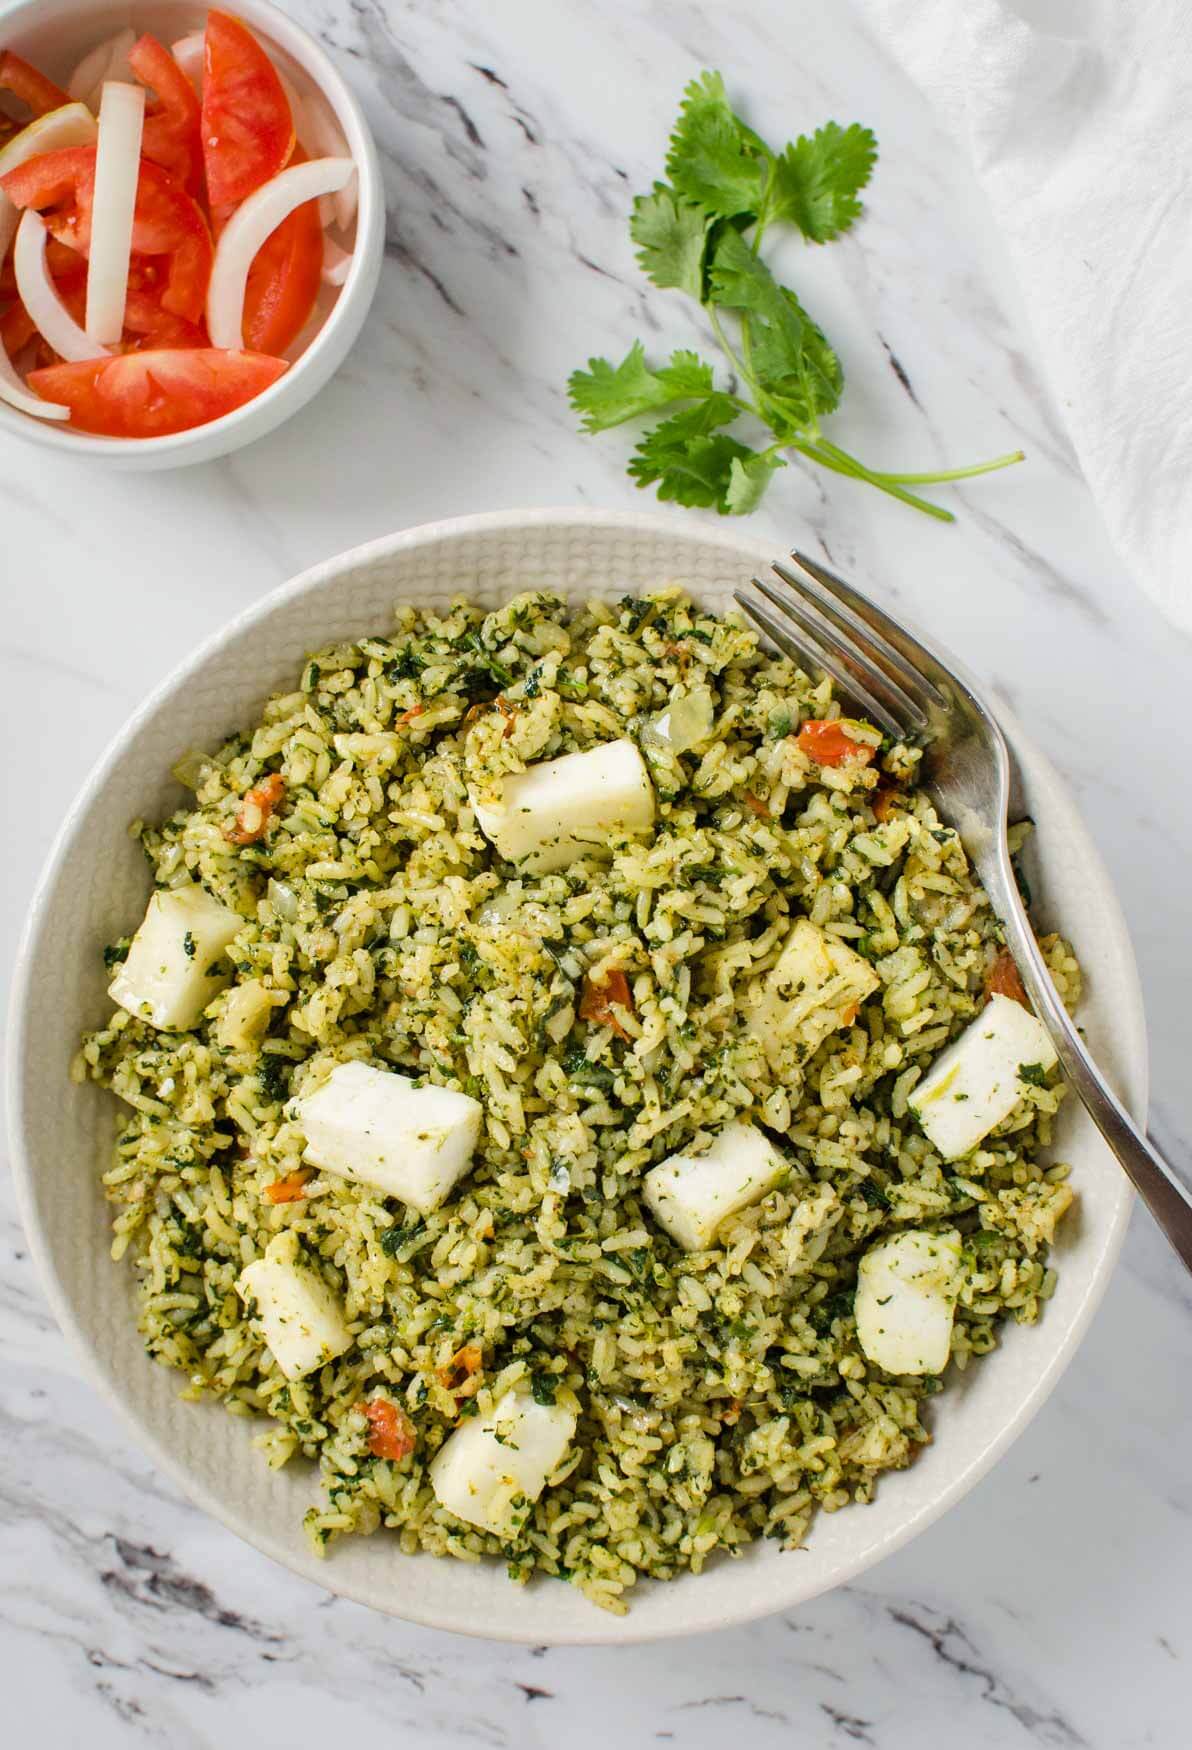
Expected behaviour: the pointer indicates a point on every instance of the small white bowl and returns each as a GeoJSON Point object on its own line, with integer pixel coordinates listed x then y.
{"type": "Point", "coordinates": [55, 38]}
{"type": "Point", "coordinates": [96, 886]}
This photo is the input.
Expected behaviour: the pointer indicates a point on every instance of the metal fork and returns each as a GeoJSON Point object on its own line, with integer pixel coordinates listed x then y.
{"type": "Point", "coordinates": [916, 695]}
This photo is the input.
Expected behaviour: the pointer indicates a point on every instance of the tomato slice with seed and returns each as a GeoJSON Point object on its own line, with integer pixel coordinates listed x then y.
{"type": "Point", "coordinates": [166, 221]}
{"type": "Point", "coordinates": [145, 318]}
{"type": "Point", "coordinates": [247, 128]}
{"type": "Point", "coordinates": [171, 131]}
{"type": "Point", "coordinates": [32, 88]}
{"type": "Point", "coordinates": [283, 281]}
{"type": "Point", "coordinates": [154, 393]}
{"type": "Point", "coordinates": [151, 326]}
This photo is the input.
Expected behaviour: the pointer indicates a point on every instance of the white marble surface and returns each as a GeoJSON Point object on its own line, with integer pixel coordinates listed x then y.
{"type": "Point", "coordinates": [1052, 1607]}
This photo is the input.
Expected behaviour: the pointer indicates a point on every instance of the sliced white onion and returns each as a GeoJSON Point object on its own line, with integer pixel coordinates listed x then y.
{"type": "Point", "coordinates": [107, 60]}
{"type": "Point", "coordinates": [117, 169]}
{"type": "Point", "coordinates": [71, 125]}
{"type": "Point", "coordinates": [322, 137]}
{"type": "Point", "coordinates": [39, 294]}
{"type": "Point", "coordinates": [188, 52]}
{"type": "Point", "coordinates": [283, 899]}
{"type": "Point", "coordinates": [336, 263]}
{"type": "Point", "coordinates": [17, 395]}
{"type": "Point", "coordinates": [252, 222]}
{"type": "Point", "coordinates": [684, 724]}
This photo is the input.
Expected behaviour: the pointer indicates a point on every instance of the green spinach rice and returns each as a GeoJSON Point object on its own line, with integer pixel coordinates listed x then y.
{"type": "Point", "coordinates": [722, 1394]}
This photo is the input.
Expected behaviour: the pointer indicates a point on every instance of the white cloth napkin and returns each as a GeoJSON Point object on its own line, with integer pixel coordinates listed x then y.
{"type": "Point", "coordinates": [1078, 118]}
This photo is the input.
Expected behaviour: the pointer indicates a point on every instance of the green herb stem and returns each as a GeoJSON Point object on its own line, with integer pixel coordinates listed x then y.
{"type": "Point", "coordinates": [940, 477]}
{"type": "Point", "coordinates": [840, 462]}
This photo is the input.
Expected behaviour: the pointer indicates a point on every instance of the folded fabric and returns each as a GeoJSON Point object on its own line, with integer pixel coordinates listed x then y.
{"type": "Point", "coordinates": [1076, 115]}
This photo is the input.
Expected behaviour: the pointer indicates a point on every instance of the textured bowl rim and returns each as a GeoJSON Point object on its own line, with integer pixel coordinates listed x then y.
{"type": "Point", "coordinates": [605, 1630]}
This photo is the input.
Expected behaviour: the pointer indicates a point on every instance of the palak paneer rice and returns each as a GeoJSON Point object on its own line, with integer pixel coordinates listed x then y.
{"type": "Point", "coordinates": [605, 1015]}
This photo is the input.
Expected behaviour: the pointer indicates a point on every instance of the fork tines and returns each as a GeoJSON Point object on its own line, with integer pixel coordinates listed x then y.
{"type": "Point", "coordinates": [821, 618]}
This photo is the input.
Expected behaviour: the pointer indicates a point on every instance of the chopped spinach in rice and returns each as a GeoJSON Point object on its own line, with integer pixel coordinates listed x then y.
{"type": "Point", "coordinates": [603, 1015]}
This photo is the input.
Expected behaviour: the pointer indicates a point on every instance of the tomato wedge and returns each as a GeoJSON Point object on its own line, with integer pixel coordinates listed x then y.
{"type": "Point", "coordinates": [151, 394]}
{"type": "Point", "coordinates": [291, 1189]}
{"type": "Point", "coordinates": [166, 221]}
{"type": "Point", "coordinates": [50, 178]}
{"type": "Point", "coordinates": [597, 1000]}
{"type": "Point", "coordinates": [283, 281]}
{"type": "Point", "coordinates": [151, 326]}
{"type": "Point", "coordinates": [61, 262]}
{"type": "Point", "coordinates": [69, 274]}
{"type": "Point", "coordinates": [247, 128]}
{"type": "Point", "coordinates": [16, 329]}
{"type": "Point", "coordinates": [145, 319]}
{"type": "Point", "coordinates": [31, 87]}
{"type": "Point", "coordinates": [391, 1432]}
{"type": "Point", "coordinates": [171, 132]}
{"type": "Point", "coordinates": [1004, 980]}
{"type": "Point", "coordinates": [826, 741]}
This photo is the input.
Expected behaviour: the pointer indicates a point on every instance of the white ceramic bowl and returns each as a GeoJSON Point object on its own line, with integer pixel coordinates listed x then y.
{"type": "Point", "coordinates": [95, 888]}
{"type": "Point", "coordinates": [55, 38]}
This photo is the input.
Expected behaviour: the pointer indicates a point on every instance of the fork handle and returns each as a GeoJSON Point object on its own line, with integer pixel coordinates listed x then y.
{"type": "Point", "coordinates": [1165, 1195]}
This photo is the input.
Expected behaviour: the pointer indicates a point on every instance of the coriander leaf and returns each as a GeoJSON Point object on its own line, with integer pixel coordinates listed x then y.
{"type": "Point", "coordinates": [748, 480]}
{"type": "Point", "coordinates": [787, 356]}
{"type": "Point", "coordinates": [712, 412]}
{"type": "Point", "coordinates": [700, 475]}
{"type": "Point", "coordinates": [713, 157]}
{"type": "Point", "coordinates": [606, 394]}
{"type": "Point", "coordinates": [671, 235]}
{"type": "Point", "coordinates": [688, 464]}
{"type": "Point", "coordinates": [797, 369]}
{"type": "Point", "coordinates": [724, 181]}
{"type": "Point", "coordinates": [815, 183]}
{"type": "Point", "coordinates": [686, 374]}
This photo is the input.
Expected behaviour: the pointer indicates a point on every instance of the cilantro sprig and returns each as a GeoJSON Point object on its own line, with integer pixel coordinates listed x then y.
{"type": "Point", "coordinates": [700, 233]}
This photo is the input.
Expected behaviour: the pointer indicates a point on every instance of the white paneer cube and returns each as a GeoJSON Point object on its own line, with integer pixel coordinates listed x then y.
{"type": "Point", "coordinates": [176, 963]}
{"type": "Point", "coordinates": [301, 1319]}
{"type": "Point", "coordinates": [577, 806]}
{"type": "Point", "coordinates": [376, 1127]}
{"type": "Point", "coordinates": [816, 987]}
{"type": "Point", "coordinates": [690, 1195]}
{"type": "Point", "coordinates": [493, 1468]}
{"type": "Point", "coordinates": [977, 1081]}
{"type": "Point", "coordinates": [906, 1301]}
